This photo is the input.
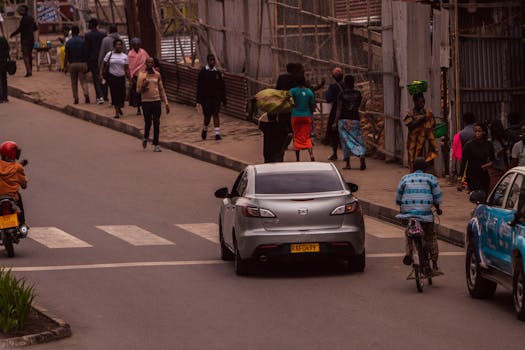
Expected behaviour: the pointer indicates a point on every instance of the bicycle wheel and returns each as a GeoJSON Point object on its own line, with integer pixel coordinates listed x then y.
{"type": "Point", "coordinates": [418, 266]}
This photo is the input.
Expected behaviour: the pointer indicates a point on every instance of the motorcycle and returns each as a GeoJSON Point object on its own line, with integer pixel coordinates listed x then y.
{"type": "Point", "coordinates": [11, 229]}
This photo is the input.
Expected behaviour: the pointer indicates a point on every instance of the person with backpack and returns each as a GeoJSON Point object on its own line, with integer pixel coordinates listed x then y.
{"type": "Point", "coordinates": [348, 123]}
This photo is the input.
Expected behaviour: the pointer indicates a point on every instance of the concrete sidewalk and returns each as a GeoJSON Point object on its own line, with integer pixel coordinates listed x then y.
{"type": "Point", "coordinates": [241, 145]}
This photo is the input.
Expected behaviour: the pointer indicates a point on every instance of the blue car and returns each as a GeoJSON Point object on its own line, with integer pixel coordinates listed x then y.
{"type": "Point", "coordinates": [495, 240]}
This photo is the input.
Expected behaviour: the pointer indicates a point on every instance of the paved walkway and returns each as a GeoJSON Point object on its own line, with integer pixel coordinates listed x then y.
{"type": "Point", "coordinates": [241, 145]}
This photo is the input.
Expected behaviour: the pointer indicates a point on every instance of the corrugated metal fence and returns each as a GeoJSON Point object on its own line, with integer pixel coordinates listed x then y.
{"type": "Point", "coordinates": [492, 76]}
{"type": "Point", "coordinates": [180, 82]}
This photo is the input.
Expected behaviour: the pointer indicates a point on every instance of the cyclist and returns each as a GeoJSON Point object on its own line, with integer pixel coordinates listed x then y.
{"type": "Point", "coordinates": [416, 194]}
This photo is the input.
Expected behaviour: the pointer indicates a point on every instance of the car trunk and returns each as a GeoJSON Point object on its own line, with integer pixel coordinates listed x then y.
{"type": "Point", "coordinates": [303, 212]}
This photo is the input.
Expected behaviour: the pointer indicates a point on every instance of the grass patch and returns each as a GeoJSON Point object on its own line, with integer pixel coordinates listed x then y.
{"type": "Point", "coordinates": [16, 298]}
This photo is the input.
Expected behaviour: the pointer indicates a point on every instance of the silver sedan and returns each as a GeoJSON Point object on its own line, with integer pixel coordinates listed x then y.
{"type": "Point", "coordinates": [290, 211]}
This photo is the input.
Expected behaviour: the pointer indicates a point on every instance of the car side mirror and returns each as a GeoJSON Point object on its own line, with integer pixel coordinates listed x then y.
{"type": "Point", "coordinates": [222, 192]}
{"type": "Point", "coordinates": [352, 186]}
{"type": "Point", "coordinates": [515, 220]}
{"type": "Point", "coordinates": [478, 197]}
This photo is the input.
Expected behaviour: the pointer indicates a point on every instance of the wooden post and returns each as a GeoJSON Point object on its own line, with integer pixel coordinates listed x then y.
{"type": "Point", "coordinates": [334, 32]}
{"type": "Point", "coordinates": [349, 33]}
{"type": "Point", "coordinates": [389, 82]}
{"type": "Point", "coordinates": [225, 41]}
{"type": "Point", "coordinates": [247, 43]}
{"type": "Point", "coordinates": [457, 87]}
{"type": "Point", "coordinates": [148, 32]}
{"type": "Point", "coordinates": [259, 42]}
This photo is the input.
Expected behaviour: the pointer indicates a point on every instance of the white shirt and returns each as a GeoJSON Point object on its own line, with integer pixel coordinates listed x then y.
{"type": "Point", "coordinates": [117, 63]}
{"type": "Point", "coordinates": [518, 153]}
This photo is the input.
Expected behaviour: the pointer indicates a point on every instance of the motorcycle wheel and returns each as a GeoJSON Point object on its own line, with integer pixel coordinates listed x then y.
{"type": "Point", "coordinates": [7, 240]}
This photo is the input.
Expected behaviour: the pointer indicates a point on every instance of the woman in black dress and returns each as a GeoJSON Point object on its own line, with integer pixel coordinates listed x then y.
{"type": "Point", "coordinates": [477, 158]}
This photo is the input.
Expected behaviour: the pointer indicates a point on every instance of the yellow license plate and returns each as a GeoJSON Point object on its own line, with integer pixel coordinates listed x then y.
{"type": "Point", "coordinates": [8, 221]}
{"type": "Point", "coordinates": [304, 248]}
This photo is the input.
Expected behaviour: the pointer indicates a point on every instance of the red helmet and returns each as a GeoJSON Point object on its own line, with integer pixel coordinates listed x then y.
{"type": "Point", "coordinates": [9, 151]}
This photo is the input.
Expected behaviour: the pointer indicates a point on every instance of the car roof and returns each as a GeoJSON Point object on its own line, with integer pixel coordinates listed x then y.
{"type": "Point", "coordinates": [521, 169]}
{"type": "Point", "coordinates": [269, 168]}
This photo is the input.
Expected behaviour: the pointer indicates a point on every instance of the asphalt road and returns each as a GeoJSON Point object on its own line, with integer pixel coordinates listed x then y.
{"type": "Point", "coordinates": [173, 292]}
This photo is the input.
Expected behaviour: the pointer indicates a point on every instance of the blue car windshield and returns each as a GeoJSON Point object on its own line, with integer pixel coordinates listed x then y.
{"type": "Point", "coordinates": [298, 182]}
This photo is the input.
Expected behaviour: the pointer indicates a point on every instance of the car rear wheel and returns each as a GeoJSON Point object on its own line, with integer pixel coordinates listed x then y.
{"type": "Point", "coordinates": [478, 286]}
{"type": "Point", "coordinates": [226, 253]}
{"type": "Point", "coordinates": [241, 265]}
{"type": "Point", "coordinates": [518, 291]}
{"type": "Point", "coordinates": [357, 262]}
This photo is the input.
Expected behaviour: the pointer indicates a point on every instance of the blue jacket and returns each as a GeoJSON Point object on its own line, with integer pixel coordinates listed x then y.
{"type": "Point", "coordinates": [416, 194]}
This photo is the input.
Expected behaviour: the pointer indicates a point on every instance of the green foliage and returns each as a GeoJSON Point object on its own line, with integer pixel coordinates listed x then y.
{"type": "Point", "coordinates": [16, 298]}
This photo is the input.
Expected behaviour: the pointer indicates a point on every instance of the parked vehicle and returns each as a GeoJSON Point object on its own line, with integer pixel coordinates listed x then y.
{"type": "Point", "coordinates": [284, 211]}
{"type": "Point", "coordinates": [495, 240]}
{"type": "Point", "coordinates": [10, 230]}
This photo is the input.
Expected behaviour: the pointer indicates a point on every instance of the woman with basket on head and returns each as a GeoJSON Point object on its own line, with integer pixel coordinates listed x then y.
{"type": "Point", "coordinates": [420, 122]}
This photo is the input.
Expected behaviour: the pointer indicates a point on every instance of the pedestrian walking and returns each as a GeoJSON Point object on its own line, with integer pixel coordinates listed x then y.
{"type": "Point", "coordinates": [26, 30]}
{"type": "Point", "coordinates": [513, 131]}
{"type": "Point", "coordinates": [467, 133]}
{"type": "Point", "coordinates": [210, 93]}
{"type": "Point", "coordinates": [477, 158]}
{"type": "Point", "coordinates": [500, 163]}
{"type": "Point", "coordinates": [107, 46]}
{"type": "Point", "coordinates": [331, 135]}
{"type": "Point", "coordinates": [348, 123]}
{"type": "Point", "coordinates": [76, 64]}
{"type": "Point", "coordinates": [149, 86]}
{"type": "Point", "coordinates": [518, 150]}
{"type": "Point", "coordinates": [286, 82]}
{"type": "Point", "coordinates": [421, 141]}
{"type": "Point", "coordinates": [137, 62]}
{"type": "Point", "coordinates": [116, 70]}
{"type": "Point", "coordinates": [4, 58]}
{"type": "Point", "coordinates": [304, 105]}
{"type": "Point", "coordinates": [93, 41]}
{"type": "Point", "coordinates": [274, 137]}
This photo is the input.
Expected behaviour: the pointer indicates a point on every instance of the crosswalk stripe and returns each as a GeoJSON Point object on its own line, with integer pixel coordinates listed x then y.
{"type": "Point", "coordinates": [381, 229]}
{"type": "Point", "coordinates": [209, 231]}
{"type": "Point", "coordinates": [53, 237]}
{"type": "Point", "coordinates": [134, 235]}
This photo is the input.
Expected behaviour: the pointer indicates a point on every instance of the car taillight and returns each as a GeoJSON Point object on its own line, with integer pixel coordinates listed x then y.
{"type": "Point", "coordinates": [348, 208]}
{"type": "Point", "coordinates": [255, 212]}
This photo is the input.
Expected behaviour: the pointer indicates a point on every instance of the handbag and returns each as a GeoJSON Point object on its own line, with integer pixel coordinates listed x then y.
{"type": "Point", "coordinates": [105, 73]}
{"type": "Point", "coordinates": [11, 67]}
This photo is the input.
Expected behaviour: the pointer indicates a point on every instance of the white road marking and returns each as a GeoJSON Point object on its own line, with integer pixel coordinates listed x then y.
{"type": "Point", "coordinates": [117, 265]}
{"type": "Point", "coordinates": [134, 235]}
{"type": "Point", "coordinates": [381, 229]}
{"type": "Point", "coordinates": [398, 255]}
{"type": "Point", "coordinates": [208, 231]}
{"type": "Point", "coordinates": [53, 237]}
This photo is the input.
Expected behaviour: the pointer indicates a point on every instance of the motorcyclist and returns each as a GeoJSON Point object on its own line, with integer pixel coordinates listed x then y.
{"type": "Point", "coordinates": [416, 194]}
{"type": "Point", "coordinates": [12, 175]}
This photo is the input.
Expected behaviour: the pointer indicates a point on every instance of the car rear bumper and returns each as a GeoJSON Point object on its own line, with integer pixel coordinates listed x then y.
{"type": "Point", "coordinates": [334, 243]}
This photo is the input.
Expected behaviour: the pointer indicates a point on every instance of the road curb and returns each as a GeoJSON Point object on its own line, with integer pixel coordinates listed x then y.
{"type": "Point", "coordinates": [380, 212]}
{"type": "Point", "coordinates": [62, 330]}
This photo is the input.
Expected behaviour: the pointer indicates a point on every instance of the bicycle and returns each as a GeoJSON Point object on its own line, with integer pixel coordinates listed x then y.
{"type": "Point", "coordinates": [422, 264]}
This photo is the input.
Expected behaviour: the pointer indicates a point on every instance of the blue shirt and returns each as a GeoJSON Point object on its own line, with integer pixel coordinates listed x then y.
{"type": "Point", "coordinates": [75, 50]}
{"type": "Point", "coordinates": [416, 194]}
{"type": "Point", "coordinates": [303, 98]}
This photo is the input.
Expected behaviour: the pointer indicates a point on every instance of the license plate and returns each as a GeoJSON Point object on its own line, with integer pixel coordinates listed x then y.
{"type": "Point", "coordinates": [304, 248]}
{"type": "Point", "coordinates": [8, 221]}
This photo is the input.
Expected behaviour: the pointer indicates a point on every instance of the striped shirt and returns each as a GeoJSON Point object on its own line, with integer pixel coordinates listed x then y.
{"type": "Point", "coordinates": [416, 194]}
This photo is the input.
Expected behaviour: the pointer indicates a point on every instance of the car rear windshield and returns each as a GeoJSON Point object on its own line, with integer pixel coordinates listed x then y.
{"type": "Point", "coordinates": [297, 182]}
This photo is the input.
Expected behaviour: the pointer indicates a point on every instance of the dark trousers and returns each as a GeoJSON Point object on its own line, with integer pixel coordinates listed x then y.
{"type": "Point", "coordinates": [117, 87]}
{"type": "Point", "coordinates": [211, 107]}
{"type": "Point", "coordinates": [151, 112]}
{"type": "Point", "coordinates": [134, 97]}
{"type": "Point", "coordinates": [3, 84]}
{"type": "Point", "coordinates": [93, 68]}
{"type": "Point", "coordinates": [105, 90]}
